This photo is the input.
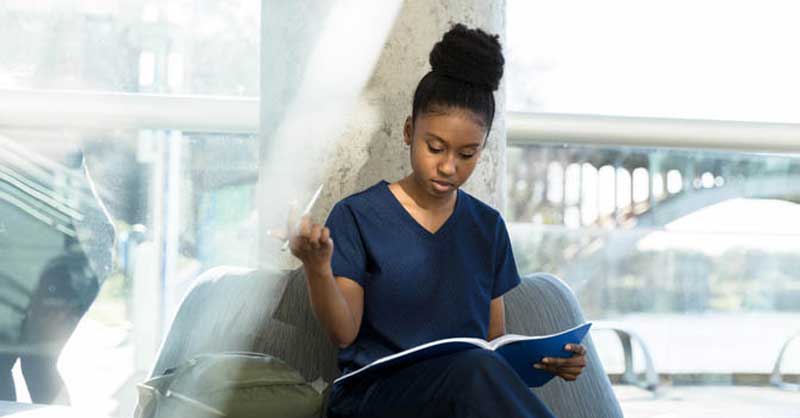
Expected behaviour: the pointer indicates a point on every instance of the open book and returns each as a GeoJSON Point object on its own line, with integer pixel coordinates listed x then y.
{"type": "Point", "coordinates": [521, 352]}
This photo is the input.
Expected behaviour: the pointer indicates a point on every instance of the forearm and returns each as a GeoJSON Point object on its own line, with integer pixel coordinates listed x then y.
{"type": "Point", "coordinates": [330, 306]}
{"type": "Point", "coordinates": [497, 319]}
{"type": "Point", "coordinates": [495, 334]}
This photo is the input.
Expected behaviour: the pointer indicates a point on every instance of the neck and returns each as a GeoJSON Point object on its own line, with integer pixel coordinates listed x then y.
{"type": "Point", "coordinates": [423, 199]}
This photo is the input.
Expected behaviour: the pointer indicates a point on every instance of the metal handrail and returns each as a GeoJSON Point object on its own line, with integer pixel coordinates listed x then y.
{"type": "Point", "coordinates": [536, 128]}
{"type": "Point", "coordinates": [28, 108]}
{"type": "Point", "coordinates": [111, 110]}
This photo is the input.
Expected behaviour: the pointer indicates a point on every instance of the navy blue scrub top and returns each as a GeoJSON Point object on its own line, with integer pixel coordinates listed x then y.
{"type": "Point", "coordinates": [418, 286]}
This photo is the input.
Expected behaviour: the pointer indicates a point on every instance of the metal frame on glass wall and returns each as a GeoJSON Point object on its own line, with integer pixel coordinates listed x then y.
{"type": "Point", "coordinates": [65, 109]}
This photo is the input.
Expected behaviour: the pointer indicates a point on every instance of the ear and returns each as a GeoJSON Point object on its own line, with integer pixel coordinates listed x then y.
{"type": "Point", "coordinates": [408, 131]}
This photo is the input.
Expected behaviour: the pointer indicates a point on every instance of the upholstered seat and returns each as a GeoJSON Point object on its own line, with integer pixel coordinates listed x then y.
{"type": "Point", "coordinates": [232, 309]}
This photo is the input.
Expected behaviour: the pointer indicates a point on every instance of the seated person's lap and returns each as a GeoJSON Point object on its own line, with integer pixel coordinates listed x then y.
{"type": "Point", "coordinates": [438, 387]}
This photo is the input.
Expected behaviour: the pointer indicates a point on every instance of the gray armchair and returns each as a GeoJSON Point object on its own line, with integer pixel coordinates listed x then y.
{"type": "Point", "coordinates": [232, 309]}
{"type": "Point", "coordinates": [543, 304]}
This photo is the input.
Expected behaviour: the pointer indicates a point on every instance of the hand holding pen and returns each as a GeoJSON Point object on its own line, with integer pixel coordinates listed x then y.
{"type": "Point", "coordinates": [309, 242]}
{"type": "Point", "coordinates": [293, 226]}
{"type": "Point", "coordinates": [292, 223]}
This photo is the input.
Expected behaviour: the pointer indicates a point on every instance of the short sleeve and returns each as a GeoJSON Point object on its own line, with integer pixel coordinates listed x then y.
{"type": "Point", "coordinates": [349, 256]}
{"type": "Point", "coordinates": [506, 276]}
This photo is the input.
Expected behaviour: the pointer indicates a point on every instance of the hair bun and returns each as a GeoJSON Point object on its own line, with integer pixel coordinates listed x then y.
{"type": "Point", "coordinates": [469, 55]}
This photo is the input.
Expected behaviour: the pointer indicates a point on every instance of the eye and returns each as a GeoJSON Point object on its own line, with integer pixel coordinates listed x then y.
{"type": "Point", "coordinates": [434, 150]}
{"type": "Point", "coordinates": [467, 156]}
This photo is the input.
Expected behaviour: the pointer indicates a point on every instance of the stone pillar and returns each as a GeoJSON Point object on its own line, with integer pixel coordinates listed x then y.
{"type": "Point", "coordinates": [370, 145]}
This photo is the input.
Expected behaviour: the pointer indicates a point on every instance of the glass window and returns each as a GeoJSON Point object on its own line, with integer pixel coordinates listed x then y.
{"type": "Point", "coordinates": [694, 251]}
{"type": "Point", "coordinates": [95, 227]}
{"type": "Point", "coordinates": [180, 46]}
{"type": "Point", "coordinates": [102, 231]}
{"type": "Point", "coordinates": [679, 59]}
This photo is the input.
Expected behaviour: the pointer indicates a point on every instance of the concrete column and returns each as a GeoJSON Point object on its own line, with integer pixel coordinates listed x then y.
{"type": "Point", "coordinates": [373, 150]}
{"type": "Point", "coordinates": [370, 145]}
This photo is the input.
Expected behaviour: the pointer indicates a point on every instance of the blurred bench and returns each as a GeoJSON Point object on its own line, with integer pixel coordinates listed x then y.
{"type": "Point", "coordinates": [626, 338]}
{"type": "Point", "coordinates": [777, 377]}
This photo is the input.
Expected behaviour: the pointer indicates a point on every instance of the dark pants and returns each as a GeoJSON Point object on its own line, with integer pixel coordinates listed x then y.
{"type": "Point", "coordinates": [472, 383]}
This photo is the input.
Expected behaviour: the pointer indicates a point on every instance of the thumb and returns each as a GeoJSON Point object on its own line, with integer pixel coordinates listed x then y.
{"type": "Point", "coordinates": [327, 239]}
{"type": "Point", "coordinates": [279, 234]}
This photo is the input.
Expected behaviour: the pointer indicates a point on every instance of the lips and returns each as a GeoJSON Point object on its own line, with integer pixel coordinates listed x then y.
{"type": "Point", "coordinates": [441, 185]}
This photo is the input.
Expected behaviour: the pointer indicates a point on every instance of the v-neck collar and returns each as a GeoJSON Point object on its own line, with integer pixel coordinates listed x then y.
{"type": "Point", "coordinates": [405, 214]}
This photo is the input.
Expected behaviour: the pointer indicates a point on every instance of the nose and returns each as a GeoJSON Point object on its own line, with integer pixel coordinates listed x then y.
{"type": "Point", "coordinates": [447, 165]}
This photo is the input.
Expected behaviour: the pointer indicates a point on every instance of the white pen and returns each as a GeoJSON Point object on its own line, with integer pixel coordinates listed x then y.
{"type": "Point", "coordinates": [305, 212]}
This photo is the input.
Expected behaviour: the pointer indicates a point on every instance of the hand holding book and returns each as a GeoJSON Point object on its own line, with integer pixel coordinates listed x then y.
{"type": "Point", "coordinates": [568, 368]}
{"type": "Point", "coordinates": [557, 354]}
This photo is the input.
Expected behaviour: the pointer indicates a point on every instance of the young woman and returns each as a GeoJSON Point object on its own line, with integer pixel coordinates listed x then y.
{"type": "Point", "coordinates": [419, 260]}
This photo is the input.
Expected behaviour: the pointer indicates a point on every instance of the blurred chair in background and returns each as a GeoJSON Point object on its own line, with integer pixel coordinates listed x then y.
{"type": "Point", "coordinates": [57, 250]}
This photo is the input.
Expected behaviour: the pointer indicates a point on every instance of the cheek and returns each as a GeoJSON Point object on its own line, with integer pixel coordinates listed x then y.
{"type": "Point", "coordinates": [421, 157]}
{"type": "Point", "coordinates": [469, 166]}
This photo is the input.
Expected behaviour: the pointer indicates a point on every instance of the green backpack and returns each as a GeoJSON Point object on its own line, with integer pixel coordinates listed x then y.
{"type": "Point", "coordinates": [231, 384]}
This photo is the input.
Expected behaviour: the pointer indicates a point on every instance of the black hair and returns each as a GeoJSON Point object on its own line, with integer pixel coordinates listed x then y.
{"type": "Point", "coordinates": [466, 68]}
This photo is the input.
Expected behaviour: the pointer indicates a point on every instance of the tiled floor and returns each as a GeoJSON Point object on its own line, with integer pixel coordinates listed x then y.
{"type": "Point", "coordinates": [709, 402]}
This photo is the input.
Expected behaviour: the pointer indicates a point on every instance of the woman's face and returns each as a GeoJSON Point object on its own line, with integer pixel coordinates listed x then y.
{"type": "Point", "coordinates": [445, 147]}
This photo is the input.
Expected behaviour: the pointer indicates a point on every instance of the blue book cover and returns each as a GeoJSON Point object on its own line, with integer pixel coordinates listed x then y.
{"type": "Point", "coordinates": [521, 352]}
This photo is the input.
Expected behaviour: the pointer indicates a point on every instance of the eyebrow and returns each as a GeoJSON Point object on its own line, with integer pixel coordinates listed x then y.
{"type": "Point", "coordinates": [438, 138]}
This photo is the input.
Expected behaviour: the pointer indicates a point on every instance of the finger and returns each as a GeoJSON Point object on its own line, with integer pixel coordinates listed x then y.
{"type": "Point", "coordinates": [298, 241]}
{"type": "Point", "coordinates": [325, 236]}
{"type": "Point", "coordinates": [307, 248]}
{"type": "Point", "coordinates": [295, 242]}
{"type": "Point", "coordinates": [295, 245]}
{"type": "Point", "coordinates": [577, 361]}
{"type": "Point", "coordinates": [305, 227]}
{"type": "Point", "coordinates": [569, 377]}
{"type": "Point", "coordinates": [279, 234]}
{"type": "Point", "coordinates": [554, 361]}
{"type": "Point", "coordinates": [576, 348]}
{"type": "Point", "coordinates": [546, 368]}
{"type": "Point", "coordinates": [571, 370]}
{"type": "Point", "coordinates": [313, 238]}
